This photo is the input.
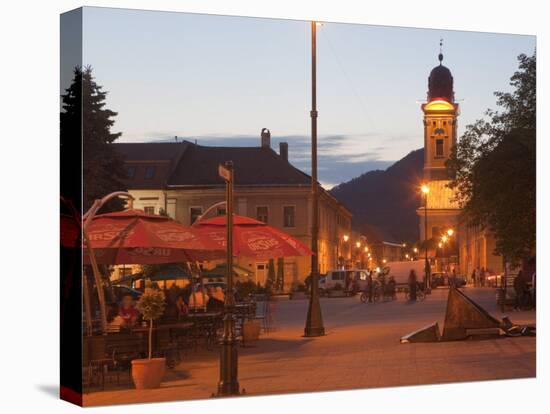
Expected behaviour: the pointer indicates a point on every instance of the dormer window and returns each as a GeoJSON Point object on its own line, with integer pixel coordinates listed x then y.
{"type": "Point", "coordinates": [150, 172]}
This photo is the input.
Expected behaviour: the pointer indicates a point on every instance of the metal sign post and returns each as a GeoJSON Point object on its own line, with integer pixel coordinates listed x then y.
{"type": "Point", "coordinates": [228, 383]}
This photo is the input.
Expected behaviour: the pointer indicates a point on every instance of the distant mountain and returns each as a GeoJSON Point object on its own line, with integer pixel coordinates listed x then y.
{"type": "Point", "coordinates": [384, 202]}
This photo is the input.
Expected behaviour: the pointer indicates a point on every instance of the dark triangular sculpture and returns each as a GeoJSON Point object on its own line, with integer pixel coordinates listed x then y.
{"type": "Point", "coordinates": [429, 333]}
{"type": "Point", "coordinates": [464, 314]}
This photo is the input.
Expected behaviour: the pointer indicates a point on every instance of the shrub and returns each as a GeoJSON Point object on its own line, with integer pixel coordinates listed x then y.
{"type": "Point", "coordinates": [151, 305]}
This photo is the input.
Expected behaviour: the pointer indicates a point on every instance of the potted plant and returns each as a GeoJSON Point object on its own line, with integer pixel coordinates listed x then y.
{"type": "Point", "coordinates": [148, 372]}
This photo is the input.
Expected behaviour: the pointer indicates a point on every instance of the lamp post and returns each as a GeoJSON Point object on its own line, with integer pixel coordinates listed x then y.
{"type": "Point", "coordinates": [228, 383]}
{"type": "Point", "coordinates": [314, 321]}
{"type": "Point", "coordinates": [425, 190]}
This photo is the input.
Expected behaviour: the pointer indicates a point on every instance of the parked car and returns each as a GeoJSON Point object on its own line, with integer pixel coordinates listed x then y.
{"type": "Point", "coordinates": [442, 279]}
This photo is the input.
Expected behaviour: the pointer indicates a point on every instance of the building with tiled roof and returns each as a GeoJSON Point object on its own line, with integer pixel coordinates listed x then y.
{"type": "Point", "coordinates": [181, 179]}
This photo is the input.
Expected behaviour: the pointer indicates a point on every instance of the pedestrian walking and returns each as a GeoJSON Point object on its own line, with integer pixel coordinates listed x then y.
{"type": "Point", "coordinates": [370, 286]}
{"type": "Point", "coordinates": [519, 289]}
{"type": "Point", "coordinates": [412, 285]}
{"type": "Point", "coordinates": [474, 278]}
{"type": "Point", "coordinates": [482, 275]}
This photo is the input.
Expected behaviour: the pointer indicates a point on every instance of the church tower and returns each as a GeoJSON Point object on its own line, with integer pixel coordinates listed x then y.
{"type": "Point", "coordinates": [440, 120]}
{"type": "Point", "coordinates": [440, 135]}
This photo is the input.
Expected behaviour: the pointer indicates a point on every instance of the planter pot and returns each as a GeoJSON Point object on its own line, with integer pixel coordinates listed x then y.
{"type": "Point", "coordinates": [251, 330]}
{"type": "Point", "coordinates": [148, 373]}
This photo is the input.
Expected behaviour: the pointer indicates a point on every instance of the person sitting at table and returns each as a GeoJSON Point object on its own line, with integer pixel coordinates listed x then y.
{"type": "Point", "coordinates": [114, 320]}
{"type": "Point", "coordinates": [198, 299]}
{"type": "Point", "coordinates": [181, 308]}
{"type": "Point", "coordinates": [216, 298]}
{"type": "Point", "coordinates": [128, 311]}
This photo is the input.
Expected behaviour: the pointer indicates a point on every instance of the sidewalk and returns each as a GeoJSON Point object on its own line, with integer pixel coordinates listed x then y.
{"type": "Point", "coordinates": [361, 350]}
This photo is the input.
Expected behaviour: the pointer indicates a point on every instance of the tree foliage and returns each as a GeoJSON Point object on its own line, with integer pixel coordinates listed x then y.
{"type": "Point", "coordinates": [494, 165]}
{"type": "Point", "coordinates": [84, 116]}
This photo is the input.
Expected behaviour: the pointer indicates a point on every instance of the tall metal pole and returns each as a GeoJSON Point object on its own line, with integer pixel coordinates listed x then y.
{"type": "Point", "coordinates": [426, 275]}
{"type": "Point", "coordinates": [228, 383]}
{"type": "Point", "coordinates": [314, 322]}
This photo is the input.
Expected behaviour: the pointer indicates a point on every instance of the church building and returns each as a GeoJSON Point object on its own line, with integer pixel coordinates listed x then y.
{"type": "Point", "coordinates": [440, 135]}
{"type": "Point", "coordinates": [471, 247]}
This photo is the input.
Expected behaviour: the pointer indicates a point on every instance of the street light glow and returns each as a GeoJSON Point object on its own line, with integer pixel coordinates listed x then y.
{"type": "Point", "coordinates": [358, 244]}
{"type": "Point", "coordinates": [450, 232]}
{"type": "Point", "coordinates": [425, 189]}
{"type": "Point", "coordinates": [346, 238]}
{"type": "Point", "coordinates": [444, 238]}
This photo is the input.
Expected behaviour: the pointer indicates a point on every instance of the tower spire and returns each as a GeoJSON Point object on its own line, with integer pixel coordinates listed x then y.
{"type": "Point", "coordinates": [440, 57]}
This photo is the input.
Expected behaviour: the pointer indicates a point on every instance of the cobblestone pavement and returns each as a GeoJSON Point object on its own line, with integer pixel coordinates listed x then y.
{"type": "Point", "coordinates": [361, 350]}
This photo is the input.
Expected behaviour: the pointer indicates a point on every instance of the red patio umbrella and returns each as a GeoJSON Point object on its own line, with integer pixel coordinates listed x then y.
{"type": "Point", "coordinates": [252, 238]}
{"type": "Point", "coordinates": [134, 237]}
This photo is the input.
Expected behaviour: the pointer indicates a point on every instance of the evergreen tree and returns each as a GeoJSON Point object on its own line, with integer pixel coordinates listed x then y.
{"type": "Point", "coordinates": [84, 116]}
{"type": "Point", "coordinates": [494, 165]}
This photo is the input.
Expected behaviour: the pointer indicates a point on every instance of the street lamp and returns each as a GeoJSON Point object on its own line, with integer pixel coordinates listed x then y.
{"type": "Point", "coordinates": [314, 321]}
{"type": "Point", "coordinates": [425, 190]}
{"type": "Point", "coordinates": [450, 232]}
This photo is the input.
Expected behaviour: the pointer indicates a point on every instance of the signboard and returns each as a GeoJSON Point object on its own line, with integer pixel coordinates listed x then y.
{"type": "Point", "coordinates": [224, 172]}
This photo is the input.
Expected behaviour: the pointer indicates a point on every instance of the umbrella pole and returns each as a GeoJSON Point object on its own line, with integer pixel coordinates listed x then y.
{"type": "Point", "coordinates": [193, 293]}
{"type": "Point", "coordinates": [202, 284]}
{"type": "Point", "coordinates": [87, 304]}
{"type": "Point", "coordinates": [98, 283]}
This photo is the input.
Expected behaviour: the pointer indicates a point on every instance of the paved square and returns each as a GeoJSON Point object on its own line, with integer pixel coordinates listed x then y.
{"type": "Point", "coordinates": [361, 350]}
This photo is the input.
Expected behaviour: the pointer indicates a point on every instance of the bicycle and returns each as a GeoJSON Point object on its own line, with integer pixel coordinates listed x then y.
{"type": "Point", "coordinates": [420, 294]}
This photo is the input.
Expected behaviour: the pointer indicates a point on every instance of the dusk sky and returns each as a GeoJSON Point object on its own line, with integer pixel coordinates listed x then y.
{"type": "Point", "coordinates": [219, 80]}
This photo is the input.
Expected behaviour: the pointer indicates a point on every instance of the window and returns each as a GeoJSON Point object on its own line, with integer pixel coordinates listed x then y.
{"type": "Point", "coordinates": [288, 216]}
{"type": "Point", "coordinates": [194, 213]}
{"type": "Point", "coordinates": [261, 213]}
{"type": "Point", "coordinates": [439, 148]}
{"type": "Point", "coordinates": [220, 211]}
{"type": "Point", "coordinates": [131, 172]}
{"type": "Point", "coordinates": [149, 210]}
{"type": "Point", "coordinates": [150, 172]}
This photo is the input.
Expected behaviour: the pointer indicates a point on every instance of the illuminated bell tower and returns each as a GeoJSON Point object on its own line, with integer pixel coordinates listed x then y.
{"type": "Point", "coordinates": [440, 122]}
{"type": "Point", "coordinates": [440, 135]}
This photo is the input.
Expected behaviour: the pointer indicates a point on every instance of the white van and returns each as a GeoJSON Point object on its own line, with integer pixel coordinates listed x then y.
{"type": "Point", "coordinates": [345, 280]}
{"type": "Point", "coordinates": [400, 270]}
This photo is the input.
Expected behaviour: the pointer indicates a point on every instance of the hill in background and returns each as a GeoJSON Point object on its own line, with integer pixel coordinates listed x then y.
{"type": "Point", "coordinates": [384, 202]}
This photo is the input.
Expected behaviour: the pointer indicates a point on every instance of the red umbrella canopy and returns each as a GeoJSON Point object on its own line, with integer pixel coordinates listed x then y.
{"type": "Point", "coordinates": [134, 237]}
{"type": "Point", "coordinates": [253, 238]}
